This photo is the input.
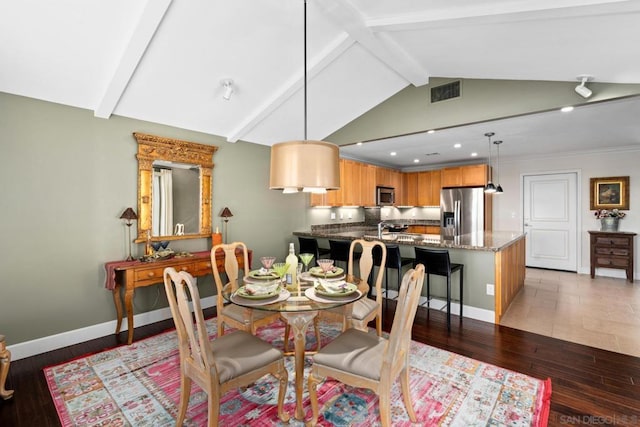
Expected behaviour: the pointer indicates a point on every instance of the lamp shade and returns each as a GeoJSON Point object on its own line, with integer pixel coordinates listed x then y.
{"type": "Point", "coordinates": [226, 213]}
{"type": "Point", "coordinates": [129, 214]}
{"type": "Point", "coordinates": [305, 165]}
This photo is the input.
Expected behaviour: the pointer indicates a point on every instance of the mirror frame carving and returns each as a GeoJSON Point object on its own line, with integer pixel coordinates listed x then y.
{"type": "Point", "coordinates": [152, 147]}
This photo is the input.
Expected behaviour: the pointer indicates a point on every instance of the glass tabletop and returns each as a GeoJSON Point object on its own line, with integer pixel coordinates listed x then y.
{"type": "Point", "coordinates": [294, 300]}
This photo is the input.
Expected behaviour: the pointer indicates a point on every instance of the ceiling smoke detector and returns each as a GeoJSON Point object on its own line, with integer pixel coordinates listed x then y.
{"type": "Point", "coordinates": [581, 89]}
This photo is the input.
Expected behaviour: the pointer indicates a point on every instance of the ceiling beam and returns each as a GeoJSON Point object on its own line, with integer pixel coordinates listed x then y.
{"type": "Point", "coordinates": [508, 12]}
{"type": "Point", "coordinates": [142, 35]}
{"type": "Point", "coordinates": [346, 17]}
{"type": "Point", "coordinates": [320, 62]}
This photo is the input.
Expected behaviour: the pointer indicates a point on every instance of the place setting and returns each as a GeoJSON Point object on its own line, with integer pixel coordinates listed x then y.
{"type": "Point", "coordinates": [260, 293]}
{"type": "Point", "coordinates": [325, 270]}
{"type": "Point", "coordinates": [332, 291]}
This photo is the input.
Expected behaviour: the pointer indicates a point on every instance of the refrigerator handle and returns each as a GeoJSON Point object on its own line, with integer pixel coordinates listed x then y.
{"type": "Point", "coordinates": [456, 208]}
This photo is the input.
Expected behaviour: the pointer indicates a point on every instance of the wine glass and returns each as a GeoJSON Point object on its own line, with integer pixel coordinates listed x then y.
{"type": "Point", "coordinates": [281, 269]}
{"type": "Point", "coordinates": [325, 265]}
{"type": "Point", "coordinates": [267, 261]}
{"type": "Point", "coordinates": [306, 259]}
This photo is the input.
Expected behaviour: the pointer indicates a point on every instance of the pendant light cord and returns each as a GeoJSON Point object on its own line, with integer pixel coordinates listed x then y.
{"type": "Point", "coordinates": [305, 70]}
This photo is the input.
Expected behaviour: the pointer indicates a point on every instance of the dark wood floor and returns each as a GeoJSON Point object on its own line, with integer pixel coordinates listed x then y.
{"type": "Point", "coordinates": [590, 386]}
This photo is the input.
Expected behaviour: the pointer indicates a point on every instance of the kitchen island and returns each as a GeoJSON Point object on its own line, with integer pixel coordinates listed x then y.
{"type": "Point", "coordinates": [491, 258]}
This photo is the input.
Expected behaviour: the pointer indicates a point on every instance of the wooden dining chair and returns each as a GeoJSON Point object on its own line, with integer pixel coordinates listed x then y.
{"type": "Point", "coordinates": [360, 359]}
{"type": "Point", "coordinates": [5, 360]}
{"type": "Point", "coordinates": [231, 361]}
{"type": "Point", "coordinates": [365, 309]}
{"type": "Point", "coordinates": [233, 315]}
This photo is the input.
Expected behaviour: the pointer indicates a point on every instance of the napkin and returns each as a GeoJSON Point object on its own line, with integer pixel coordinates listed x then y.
{"type": "Point", "coordinates": [331, 287]}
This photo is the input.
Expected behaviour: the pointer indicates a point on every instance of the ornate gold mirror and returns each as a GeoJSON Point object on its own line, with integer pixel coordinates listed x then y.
{"type": "Point", "coordinates": [174, 188]}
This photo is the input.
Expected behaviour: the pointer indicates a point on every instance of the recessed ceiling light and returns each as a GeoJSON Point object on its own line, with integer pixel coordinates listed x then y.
{"type": "Point", "coordinates": [431, 131]}
{"type": "Point", "coordinates": [566, 109]}
{"type": "Point", "coordinates": [358, 143]}
{"type": "Point", "coordinates": [393, 153]}
{"type": "Point", "coordinates": [458, 145]}
{"type": "Point", "coordinates": [474, 154]}
{"type": "Point", "coordinates": [416, 161]}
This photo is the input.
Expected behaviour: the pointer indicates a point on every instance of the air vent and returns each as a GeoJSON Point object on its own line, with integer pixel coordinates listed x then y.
{"type": "Point", "coordinates": [446, 91]}
{"type": "Point", "coordinates": [432, 154]}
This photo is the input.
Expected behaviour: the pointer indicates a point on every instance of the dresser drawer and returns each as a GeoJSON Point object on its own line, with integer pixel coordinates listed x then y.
{"type": "Point", "coordinates": [612, 262]}
{"type": "Point", "coordinates": [203, 268]}
{"type": "Point", "coordinates": [149, 276]}
{"type": "Point", "coordinates": [609, 250]}
{"type": "Point", "coordinates": [612, 241]}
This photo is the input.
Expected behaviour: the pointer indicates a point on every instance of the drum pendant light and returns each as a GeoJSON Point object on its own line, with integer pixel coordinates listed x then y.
{"type": "Point", "coordinates": [310, 166]}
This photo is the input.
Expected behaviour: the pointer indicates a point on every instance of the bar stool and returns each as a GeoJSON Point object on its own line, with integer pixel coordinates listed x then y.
{"type": "Point", "coordinates": [339, 251]}
{"type": "Point", "coordinates": [394, 261]}
{"type": "Point", "coordinates": [436, 261]}
{"type": "Point", "coordinates": [309, 245]}
{"type": "Point", "coordinates": [5, 359]}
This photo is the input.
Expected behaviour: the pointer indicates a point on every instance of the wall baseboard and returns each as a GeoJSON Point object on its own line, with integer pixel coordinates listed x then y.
{"type": "Point", "coordinates": [76, 336]}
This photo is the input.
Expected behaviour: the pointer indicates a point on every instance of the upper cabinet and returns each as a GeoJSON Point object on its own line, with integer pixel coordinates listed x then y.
{"type": "Point", "coordinates": [358, 183]}
{"type": "Point", "coordinates": [464, 176]}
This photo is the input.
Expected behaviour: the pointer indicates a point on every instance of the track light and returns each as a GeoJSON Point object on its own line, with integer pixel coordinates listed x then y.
{"type": "Point", "coordinates": [228, 89]}
{"type": "Point", "coordinates": [581, 89]}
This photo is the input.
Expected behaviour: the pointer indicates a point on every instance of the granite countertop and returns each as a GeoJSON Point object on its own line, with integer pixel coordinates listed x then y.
{"type": "Point", "coordinates": [485, 241]}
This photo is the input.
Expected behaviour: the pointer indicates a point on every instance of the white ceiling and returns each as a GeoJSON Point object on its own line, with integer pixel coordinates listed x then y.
{"type": "Point", "coordinates": [163, 60]}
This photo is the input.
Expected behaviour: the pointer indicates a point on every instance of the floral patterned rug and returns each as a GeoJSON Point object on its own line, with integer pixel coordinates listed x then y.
{"type": "Point", "coordinates": [138, 385]}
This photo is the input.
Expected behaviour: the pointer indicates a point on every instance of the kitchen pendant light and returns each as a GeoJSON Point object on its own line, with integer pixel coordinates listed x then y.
{"type": "Point", "coordinates": [490, 188]}
{"type": "Point", "coordinates": [498, 186]}
{"type": "Point", "coordinates": [309, 166]}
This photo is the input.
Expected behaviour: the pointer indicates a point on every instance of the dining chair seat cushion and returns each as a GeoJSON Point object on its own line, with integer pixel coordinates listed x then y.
{"type": "Point", "coordinates": [354, 351]}
{"type": "Point", "coordinates": [237, 313]}
{"type": "Point", "coordinates": [363, 307]}
{"type": "Point", "coordinates": [239, 352]}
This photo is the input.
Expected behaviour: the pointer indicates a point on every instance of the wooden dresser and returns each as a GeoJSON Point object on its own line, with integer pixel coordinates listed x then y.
{"type": "Point", "coordinates": [612, 250]}
{"type": "Point", "coordinates": [136, 274]}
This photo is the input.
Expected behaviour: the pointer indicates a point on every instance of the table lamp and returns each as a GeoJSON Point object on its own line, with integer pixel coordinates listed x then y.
{"type": "Point", "coordinates": [129, 216]}
{"type": "Point", "coordinates": [225, 215]}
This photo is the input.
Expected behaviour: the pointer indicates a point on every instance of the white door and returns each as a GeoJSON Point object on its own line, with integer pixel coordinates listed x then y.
{"type": "Point", "coordinates": [550, 220]}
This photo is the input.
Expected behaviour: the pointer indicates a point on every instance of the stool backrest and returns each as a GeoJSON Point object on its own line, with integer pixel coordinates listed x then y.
{"type": "Point", "coordinates": [340, 250]}
{"type": "Point", "coordinates": [309, 245]}
{"type": "Point", "coordinates": [436, 261]}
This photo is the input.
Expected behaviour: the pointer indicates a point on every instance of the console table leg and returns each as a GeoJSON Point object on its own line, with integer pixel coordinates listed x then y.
{"type": "Point", "coordinates": [128, 304]}
{"type": "Point", "coordinates": [117, 301]}
{"type": "Point", "coordinates": [5, 360]}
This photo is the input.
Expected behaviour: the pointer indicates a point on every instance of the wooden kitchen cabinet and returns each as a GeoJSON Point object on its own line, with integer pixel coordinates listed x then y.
{"type": "Point", "coordinates": [429, 188]}
{"type": "Point", "coordinates": [410, 189]}
{"type": "Point", "coordinates": [465, 176]}
{"type": "Point", "coordinates": [423, 229]}
{"type": "Point", "coordinates": [368, 185]}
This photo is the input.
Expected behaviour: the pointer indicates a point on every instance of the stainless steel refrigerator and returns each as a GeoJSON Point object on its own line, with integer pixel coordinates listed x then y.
{"type": "Point", "coordinates": [461, 211]}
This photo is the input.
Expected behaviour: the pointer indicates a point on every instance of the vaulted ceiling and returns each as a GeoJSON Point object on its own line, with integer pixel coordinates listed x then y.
{"type": "Point", "coordinates": [164, 60]}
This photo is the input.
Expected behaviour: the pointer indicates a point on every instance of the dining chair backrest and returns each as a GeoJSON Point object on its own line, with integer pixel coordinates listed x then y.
{"type": "Point", "coordinates": [407, 305]}
{"type": "Point", "coordinates": [365, 261]}
{"type": "Point", "coordinates": [193, 344]}
{"type": "Point", "coordinates": [231, 266]}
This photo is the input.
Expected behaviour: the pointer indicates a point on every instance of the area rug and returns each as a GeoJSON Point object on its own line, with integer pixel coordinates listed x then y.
{"type": "Point", "coordinates": [138, 385]}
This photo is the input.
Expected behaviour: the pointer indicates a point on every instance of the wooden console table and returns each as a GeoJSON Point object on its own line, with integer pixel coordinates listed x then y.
{"type": "Point", "coordinates": [136, 274]}
{"type": "Point", "coordinates": [612, 250]}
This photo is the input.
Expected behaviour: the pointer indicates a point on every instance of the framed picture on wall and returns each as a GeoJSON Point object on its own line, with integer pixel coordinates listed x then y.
{"type": "Point", "coordinates": [610, 193]}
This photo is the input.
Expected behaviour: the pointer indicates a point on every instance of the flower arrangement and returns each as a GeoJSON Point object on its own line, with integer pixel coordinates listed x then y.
{"type": "Point", "coordinates": [605, 213]}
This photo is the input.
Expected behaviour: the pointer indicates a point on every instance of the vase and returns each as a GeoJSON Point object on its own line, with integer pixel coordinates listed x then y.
{"type": "Point", "coordinates": [609, 224]}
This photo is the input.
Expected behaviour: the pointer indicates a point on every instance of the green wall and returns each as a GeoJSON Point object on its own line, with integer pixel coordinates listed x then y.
{"type": "Point", "coordinates": [66, 178]}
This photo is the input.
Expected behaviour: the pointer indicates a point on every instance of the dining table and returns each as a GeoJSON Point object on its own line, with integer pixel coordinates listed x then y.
{"type": "Point", "coordinates": [299, 305]}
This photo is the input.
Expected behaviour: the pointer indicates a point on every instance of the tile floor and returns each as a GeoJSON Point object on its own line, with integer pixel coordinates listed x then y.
{"type": "Point", "coordinates": [602, 312]}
